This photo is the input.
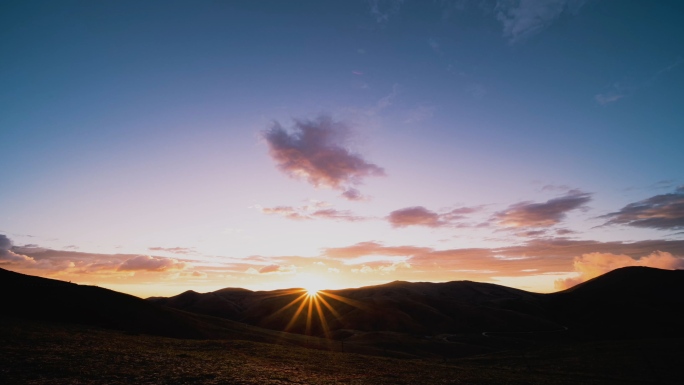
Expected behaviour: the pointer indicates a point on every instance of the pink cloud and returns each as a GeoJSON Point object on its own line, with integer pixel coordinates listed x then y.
{"type": "Point", "coordinates": [373, 248]}
{"type": "Point", "coordinates": [663, 212]}
{"type": "Point", "coordinates": [547, 214]}
{"type": "Point", "coordinates": [148, 263]}
{"type": "Point", "coordinates": [315, 151]}
{"type": "Point", "coordinates": [420, 216]}
{"type": "Point", "coordinates": [309, 212]}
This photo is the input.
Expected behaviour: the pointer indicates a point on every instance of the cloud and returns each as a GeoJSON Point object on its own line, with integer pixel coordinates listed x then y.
{"type": "Point", "coordinates": [552, 212]}
{"type": "Point", "coordinates": [315, 151]}
{"type": "Point", "coordinates": [420, 114]}
{"type": "Point", "coordinates": [149, 263]}
{"type": "Point", "coordinates": [9, 257]}
{"type": "Point", "coordinates": [614, 93]}
{"type": "Point", "coordinates": [275, 268]}
{"type": "Point", "coordinates": [373, 248]}
{"type": "Point", "coordinates": [383, 9]}
{"type": "Point", "coordinates": [387, 100]}
{"type": "Point", "coordinates": [592, 265]}
{"type": "Point", "coordinates": [664, 212]}
{"type": "Point", "coordinates": [524, 18]}
{"type": "Point", "coordinates": [269, 269]}
{"type": "Point", "coordinates": [420, 216]}
{"type": "Point", "coordinates": [380, 267]}
{"type": "Point", "coordinates": [174, 250]}
{"type": "Point", "coordinates": [434, 44]}
{"type": "Point", "coordinates": [309, 212]}
{"type": "Point", "coordinates": [477, 91]}
{"type": "Point", "coordinates": [353, 194]}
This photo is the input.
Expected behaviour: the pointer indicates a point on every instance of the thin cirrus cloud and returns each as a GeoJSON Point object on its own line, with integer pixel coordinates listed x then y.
{"type": "Point", "coordinates": [521, 19]}
{"type": "Point", "coordinates": [663, 212]}
{"type": "Point", "coordinates": [316, 210]}
{"type": "Point", "coordinates": [315, 150]}
{"type": "Point", "coordinates": [382, 10]}
{"type": "Point", "coordinates": [362, 249]}
{"type": "Point", "coordinates": [547, 214]}
{"type": "Point", "coordinates": [174, 250]}
{"type": "Point", "coordinates": [420, 216]}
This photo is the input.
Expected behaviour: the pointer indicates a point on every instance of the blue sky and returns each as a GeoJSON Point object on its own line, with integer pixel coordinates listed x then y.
{"type": "Point", "coordinates": [157, 146]}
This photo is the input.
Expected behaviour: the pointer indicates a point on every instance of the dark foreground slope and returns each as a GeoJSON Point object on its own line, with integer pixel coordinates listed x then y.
{"type": "Point", "coordinates": [50, 353]}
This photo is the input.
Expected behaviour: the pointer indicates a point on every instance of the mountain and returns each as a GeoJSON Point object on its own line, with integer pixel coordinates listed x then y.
{"type": "Point", "coordinates": [54, 301]}
{"type": "Point", "coordinates": [631, 301]}
{"type": "Point", "coordinates": [627, 302]}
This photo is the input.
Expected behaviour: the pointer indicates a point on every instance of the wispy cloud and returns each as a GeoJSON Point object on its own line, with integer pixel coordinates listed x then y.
{"type": "Point", "coordinates": [592, 265]}
{"type": "Point", "coordinates": [420, 114]}
{"type": "Point", "coordinates": [420, 216]}
{"type": "Point", "coordinates": [614, 93]}
{"type": "Point", "coordinates": [315, 210]}
{"type": "Point", "coordinates": [373, 248]}
{"type": "Point", "coordinates": [621, 90]}
{"type": "Point", "coordinates": [524, 18]}
{"type": "Point", "coordinates": [547, 214]}
{"type": "Point", "coordinates": [435, 46]}
{"type": "Point", "coordinates": [174, 250]}
{"type": "Point", "coordinates": [664, 212]}
{"type": "Point", "coordinates": [315, 151]}
{"type": "Point", "coordinates": [149, 263]}
{"type": "Point", "coordinates": [382, 10]}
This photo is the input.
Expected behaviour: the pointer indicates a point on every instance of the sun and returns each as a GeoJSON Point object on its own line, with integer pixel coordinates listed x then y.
{"type": "Point", "coordinates": [312, 284]}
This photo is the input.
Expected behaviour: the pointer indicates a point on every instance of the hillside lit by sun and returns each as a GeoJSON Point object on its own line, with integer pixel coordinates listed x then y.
{"type": "Point", "coordinates": [157, 147]}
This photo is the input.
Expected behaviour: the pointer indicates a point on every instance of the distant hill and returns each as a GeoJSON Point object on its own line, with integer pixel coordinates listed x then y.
{"type": "Point", "coordinates": [608, 305]}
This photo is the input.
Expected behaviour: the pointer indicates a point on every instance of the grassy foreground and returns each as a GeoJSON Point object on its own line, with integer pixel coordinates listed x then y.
{"type": "Point", "coordinates": [46, 353]}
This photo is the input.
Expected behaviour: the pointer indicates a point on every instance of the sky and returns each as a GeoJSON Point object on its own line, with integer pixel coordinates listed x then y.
{"type": "Point", "coordinates": [160, 146]}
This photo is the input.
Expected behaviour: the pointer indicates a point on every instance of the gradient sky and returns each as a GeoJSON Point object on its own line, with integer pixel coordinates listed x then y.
{"type": "Point", "coordinates": [157, 146]}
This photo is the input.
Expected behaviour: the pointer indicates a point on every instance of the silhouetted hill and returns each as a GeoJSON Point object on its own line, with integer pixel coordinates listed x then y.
{"type": "Point", "coordinates": [626, 302]}
{"type": "Point", "coordinates": [417, 308]}
{"type": "Point", "coordinates": [632, 301]}
{"type": "Point", "coordinates": [49, 300]}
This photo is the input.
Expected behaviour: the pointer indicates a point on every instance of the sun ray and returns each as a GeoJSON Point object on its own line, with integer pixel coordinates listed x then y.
{"type": "Point", "coordinates": [287, 306]}
{"type": "Point", "coordinates": [348, 301]}
{"type": "Point", "coordinates": [321, 316]}
{"type": "Point", "coordinates": [296, 315]}
{"type": "Point", "coordinates": [308, 315]}
{"type": "Point", "coordinates": [326, 304]}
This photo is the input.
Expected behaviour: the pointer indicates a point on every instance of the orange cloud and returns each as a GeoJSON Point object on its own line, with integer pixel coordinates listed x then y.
{"type": "Point", "coordinates": [592, 265]}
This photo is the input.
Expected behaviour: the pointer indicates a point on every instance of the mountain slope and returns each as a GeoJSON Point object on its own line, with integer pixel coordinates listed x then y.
{"type": "Point", "coordinates": [49, 300]}
{"type": "Point", "coordinates": [632, 301]}
{"type": "Point", "coordinates": [623, 303]}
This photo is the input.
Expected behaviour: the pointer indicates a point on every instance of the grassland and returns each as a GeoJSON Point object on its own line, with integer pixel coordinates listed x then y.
{"type": "Point", "coordinates": [50, 353]}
